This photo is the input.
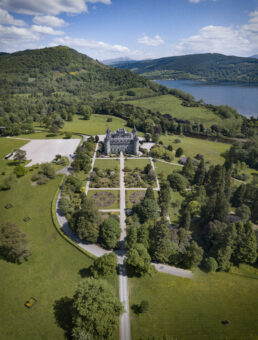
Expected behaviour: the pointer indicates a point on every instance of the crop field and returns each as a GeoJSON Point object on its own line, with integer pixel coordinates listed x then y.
{"type": "Point", "coordinates": [193, 309]}
{"type": "Point", "coordinates": [172, 105]}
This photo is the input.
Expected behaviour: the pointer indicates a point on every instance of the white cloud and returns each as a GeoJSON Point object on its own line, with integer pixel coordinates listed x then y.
{"type": "Point", "coordinates": [229, 40]}
{"type": "Point", "coordinates": [194, 1]}
{"type": "Point", "coordinates": [155, 41]}
{"type": "Point", "coordinates": [52, 7]}
{"type": "Point", "coordinates": [85, 44]}
{"type": "Point", "coordinates": [49, 20]}
{"type": "Point", "coordinates": [45, 30]}
{"type": "Point", "coordinates": [7, 19]}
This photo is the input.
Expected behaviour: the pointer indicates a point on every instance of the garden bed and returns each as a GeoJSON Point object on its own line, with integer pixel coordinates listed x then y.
{"type": "Point", "coordinates": [105, 199]}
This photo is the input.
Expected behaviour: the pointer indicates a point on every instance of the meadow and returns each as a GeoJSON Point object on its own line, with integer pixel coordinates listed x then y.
{"type": "Point", "coordinates": [52, 271]}
{"type": "Point", "coordinates": [193, 309]}
{"type": "Point", "coordinates": [172, 105]}
{"type": "Point", "coordinates": [212, 151]}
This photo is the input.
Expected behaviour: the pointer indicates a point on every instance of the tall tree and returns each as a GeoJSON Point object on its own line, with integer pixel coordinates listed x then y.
{"type": "Point", "coordinates": [188, 169]}
{"type": "Point", "coordinates": [162, 244]}
{"type": "Point", "coordinates": [96, 310]}
{"type": "Point", "coordinates": [110, 232]}
{"type": "Point", "coordinates": [246, 248]}
{"type": "Point", "coordinates": [200, 173]}
{"type": "Point", "coordinates": [164, 197]}
{"type": "Point", "coordinates": [138, 259]}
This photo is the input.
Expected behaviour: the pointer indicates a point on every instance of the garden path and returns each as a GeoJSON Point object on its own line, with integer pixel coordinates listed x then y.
{"type": "Point", "coordinates": [92, 165]}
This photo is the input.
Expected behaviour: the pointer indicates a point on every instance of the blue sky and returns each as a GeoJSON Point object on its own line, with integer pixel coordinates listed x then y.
{"type": "Point", "coordinates": [137, 29]}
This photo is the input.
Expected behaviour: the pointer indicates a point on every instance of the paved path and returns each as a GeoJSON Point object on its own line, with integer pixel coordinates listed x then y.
{"type": "Point", "coordinates": [124, 330]}
{"type": "Point", "coordinates": [92, 165]}
{"type": "Point", "coordinates": [163, 268]}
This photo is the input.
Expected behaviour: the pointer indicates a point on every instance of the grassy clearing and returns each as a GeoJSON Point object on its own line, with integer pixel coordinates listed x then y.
{"type": "Point", "coordinates": [175, 206]}
{"type": "Point", "coordinates": [212, 151]}
{"type": "Point", "coordinates": [165, 169]}
{"type": "Point", "coordinates": [172, 105]}
{"type": "Point", "coordinates": [193, 309]}
{"type": "Point", "coordinates": [122, 95]}
{"type": "Point", "coordinates": [96, 125]}
{"type": "Point", "coordinates": [136, 163]}
{"type": "Point", "coordinates": [105, 164]}
{"type": "Point", "coordinates": [8, 145]}
{"type": "Point", "coordinates": [52, 271]}
{"type": "Point", "coordinates": [105, 199]}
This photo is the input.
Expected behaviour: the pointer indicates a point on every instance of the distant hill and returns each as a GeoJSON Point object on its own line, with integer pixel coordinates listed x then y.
{"type": "Point", "coordinates": [118, 61]}
{"type": "Point", "coordinates": [254, 56]}
{"type": "Point", "coordinates": [62, 68]}
{"type": "Point", "coordinates": [210, 67]}
{"type": "Point", "coordinates": [3, 53]}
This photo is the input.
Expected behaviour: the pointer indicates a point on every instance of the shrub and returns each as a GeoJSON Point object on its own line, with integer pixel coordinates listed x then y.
{"type": "Point", "coordinates": [179, 152]}
{"type": "Point", "coordinates": [178, 182]}
{"type": "Point", "coordinates": [210, 264]}
{"type": "Point", "coordinates": [19, 171]}
{"type": "Point", "coordinates": [42, 179]}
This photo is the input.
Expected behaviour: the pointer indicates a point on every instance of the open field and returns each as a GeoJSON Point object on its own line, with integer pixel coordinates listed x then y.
{"type": "Point", "coordinates": [193, 309]}
{"type": "Point", "coordinates": [165, 169]}
{"type": "Point", "coordinates": [105, 199]}
{"type": "Point", "coordinates": [52, 272]}
{"type": "Point", "coordinates": [172, 105]}
{"type": "Point", "coordinates": [96, 125]}
{"type": "Point", "coordinates": [136, 163]}
{"type": "Point", "coordinates": [210, 150]}
{"type": "Point", "coordinates": [8, 145]}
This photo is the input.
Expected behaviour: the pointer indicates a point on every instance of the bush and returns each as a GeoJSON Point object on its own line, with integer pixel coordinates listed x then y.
{"type": "Point", "coordinates": [19, 171]}
{"type": "Point", "coordinates": [178, 182]}
{"type": "Point", "coordinates": [42, 179]}
{"type": "Point", "coordinates": [177, 141]}
{"type": "Point", "coordinates": [68, 135]}
{"type": "Point", "coordinates": [210, 264]}
{"type": "Point", "coordinates": [13, 243]}
{"type": "Point", "coordinates": [179, 152]}
{"type": "Point", "coordinates": [48, 170]}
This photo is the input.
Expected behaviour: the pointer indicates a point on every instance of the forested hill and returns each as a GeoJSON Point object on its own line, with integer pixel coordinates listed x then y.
{"type": "Point", "coordinates": [211, 67]}
{"type": "Point", "coordinates": [61, 68]}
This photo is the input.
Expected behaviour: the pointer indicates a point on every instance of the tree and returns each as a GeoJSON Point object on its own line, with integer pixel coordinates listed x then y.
{"type": "Point", "coordinates": [179, 152]}
{"type": "Point", "coordinates": [87, 221]}
{"type": "Point", "coordinates": [13, 243]}
{"type": "Point", "coordinates": [223, 258]}
{"type": "Point", "coordinates": [245, 250]}
{"type": "Point", "coordinates": [131, 237]}
{"type": "Point", "coordinates": [19, 155]}
{"type": "Point", "coordinates": [193, 256]}
{"type": "Point", "coordinates": [185, 220]}
{"type": "Point", "coordinates": [48, 170]}
{"type": "Point", "coordinates": [170, 147]}
{"type": "Point", "coordinates": [138, 259]}
{"type": "Point", "coordinates": [148, 209]}
{"type": "Point", "coordinates": [188, 169]}
{"type": "Point", "coordinates": [149, 193]}
{"type": "Point", "coordinates": [162, 244]}
{"type": "Point", "coordinates": [164, 197]}
{"type": "Point", "coordinates": [239, 195]}
{"type": "Point", "coordinates": [178, 182]}
{"type": "Point", "coordinates": [110, 232]}
{"type": "Point", "coordinates": [96, 310]}
{"type": "Point", "coordinates": [210, 264]}
{"type": "Point", "coordinates": [86, 111]}
{"type": "Point", "coordinates": [244, 213]}
{"type": "Point", "coordinates": [200, 173]}
{"type": "Point", "coordinates": [19, 170]}
{"type": "Point", "coordinates": [104, 265]}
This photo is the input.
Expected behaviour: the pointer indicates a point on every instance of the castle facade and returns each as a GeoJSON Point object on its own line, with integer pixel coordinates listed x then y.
{"type": "Point", "coordinates": [121, 140]}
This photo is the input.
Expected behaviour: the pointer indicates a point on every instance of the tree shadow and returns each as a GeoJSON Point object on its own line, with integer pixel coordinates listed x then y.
{"type": "Point", "coordinates": [85, 272]}
{"type": "Point", "coordinates": [136, 309]}
{"type": "Point", "coordinates": [63, 315]}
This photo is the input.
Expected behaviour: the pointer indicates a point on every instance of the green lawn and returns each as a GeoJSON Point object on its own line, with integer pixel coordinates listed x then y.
{"type": "Point", "coordinates": [96, 125]}
{"type": "Point", "coordinates": [172, 105]}
{"type": "Point", "coordinates": [52, 271]}
{"type": "Point", "coordinates": [193, 309]}
{"type": "Point", "coordinates": [211, 151]}
{"type": "Point", "coordinates": [102, 196]}
{"type": "Point", "coordinates": [8, 145]}
{"type": "Point", "coordinates": [165, 169]}
{"type": "Point", "coordinates": [122, 95]}
{"type": "Point", "coordinates": [107, 164]}
{"type": "Point", "coordinates": [136, 163]}
{"type": "Point", "coordinates": [175, 206]}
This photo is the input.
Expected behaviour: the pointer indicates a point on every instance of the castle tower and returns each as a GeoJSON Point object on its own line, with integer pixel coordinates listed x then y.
{"type": "Point", "coordinates": [135, 141]}
{"type": "Point", "coordinates": [107, 147]}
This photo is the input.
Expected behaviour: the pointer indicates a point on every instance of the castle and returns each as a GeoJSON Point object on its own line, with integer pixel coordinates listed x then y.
{"type": "Point", "coordinates": [121, 140]}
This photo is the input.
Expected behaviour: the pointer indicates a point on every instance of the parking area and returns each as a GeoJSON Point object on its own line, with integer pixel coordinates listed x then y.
{"type": "Point", "coordinates": [45, 150]}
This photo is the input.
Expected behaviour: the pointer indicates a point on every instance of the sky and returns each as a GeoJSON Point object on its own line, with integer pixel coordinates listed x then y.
{"type": "Point", "coordinates": [138, 29]}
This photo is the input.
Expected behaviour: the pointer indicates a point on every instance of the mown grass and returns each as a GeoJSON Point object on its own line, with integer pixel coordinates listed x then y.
{"type": "Point", "coordinates": [105, 164]}
{"type": "Point", "coordinates": [193, 309]}
{"type": "Point", "coordinates": [172, 105]}
{"type": "Point", "coordinates": [165, 169]}
{"type": "Point", "coordinates": [212, 151]}
{"type": "Point", "coordinates": [96, 125]}
{"type": "Point", "coordinates": [136, 163]}
{"type": "Point", "coordinates": [116, 193]}
{"type": "Point", "coordinates": [8, 145]}
{"type": "Point", "coordinates": [51, 273]}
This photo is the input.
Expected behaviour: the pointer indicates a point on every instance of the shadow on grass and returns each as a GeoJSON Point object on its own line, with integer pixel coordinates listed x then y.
{"type": "Point", "coordinates": [63, 315]}
{"type": "Point", "coordinates": [85, 272]}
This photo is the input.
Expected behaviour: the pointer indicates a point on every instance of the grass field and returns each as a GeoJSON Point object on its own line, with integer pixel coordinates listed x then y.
{"type": "Point", "coordinates": [175, 206]}
{"type": "Point", "coordinates": [164, 169]}
{"type": "Point", "coordinates": [96, 125]}
{"type": "Point", "coordinates": [211, 151]}
{"type": "Point", "coordinates": [122, 95]}
{"type": "Point", "coordinates": [51, 273]}
{"type": "Point", "coordinates": [172, 105]}
{"type": "Point", "coordinates": [107, 164]}
{"type": "Point", "coordinates": [105, 193]}
{"type": "Point", "coordinates": [8, 145]}
{"type": "Point", "coordinates": [136, 163]}
{"type": "Point", "coordinates": [193, 309]}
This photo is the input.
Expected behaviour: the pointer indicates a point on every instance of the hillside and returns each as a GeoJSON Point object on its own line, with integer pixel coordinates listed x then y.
{"type": "Point", "coordinates": [211, 67]}
{"type": "Point", "coordinates": [61, 68]}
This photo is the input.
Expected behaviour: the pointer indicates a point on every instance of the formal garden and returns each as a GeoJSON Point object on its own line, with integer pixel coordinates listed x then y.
{"type": "Point", "coordinates": [105, 199]}
{"type": "Point", "coordinates": [105, 174]}
{"type": "Point", "coordinates": [139, 173]}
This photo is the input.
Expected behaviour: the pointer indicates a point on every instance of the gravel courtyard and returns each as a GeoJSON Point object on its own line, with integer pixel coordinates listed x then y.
{"type": "Point", "coordinates": [45, 150]}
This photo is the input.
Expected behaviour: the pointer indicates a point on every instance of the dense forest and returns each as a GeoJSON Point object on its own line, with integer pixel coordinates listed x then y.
{"type": "Point", "coordinates": [211, 67]}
